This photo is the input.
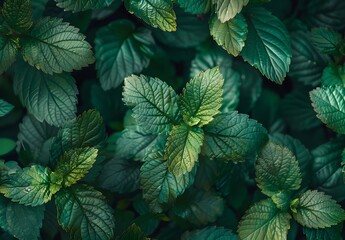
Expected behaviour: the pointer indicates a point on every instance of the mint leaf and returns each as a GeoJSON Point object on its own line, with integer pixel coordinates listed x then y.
{"type": "Point", "coordinates": [5, 108]}
{"type": "Point", "coordinates": [231, 34]}
{"type": "Point", "coordinates": [329, 104]}
{"type": "Point", "coordinates": [18, 14]}
{"type": "Point", "coordinates": [50, 98]}
{"type": "Point", "coordinates": [183, 148]}
{"type": "Point", "coordinates": [333, 75]}
{"type": "Point", "coordinates": [195, 6]}
{"type": "Point", "coordinates": [325, 40]}
{"type": "Point", "coordinates": [317, 210]}
{"type": "Point", "coordinates": [8, 52]}
{"type": "Point", "coordinates": [277, 170]}
{"type": "Point", "coordinates": [154, 102]}
{"type": "Point", "coordinates": [233, 137]}
{"type": "Point", "coordinates": [264, 221]}
{"type": "Point", "coordinates": [267, 47]}
{"type": "Point", "coordinates": [330, 233]}
{"type": "Point", "coordinates": [75, 164]}
{"type": "Point", "coordinates": [54, 46]}
{"type": "Point", "coordinates": [83, 212]}
{"type": "Point", "coordinates": [209, 233]}
{"type": "Point", "coordinates": [82, 5]}
{"type": "Point", "coordinates": [202, 97]}
{"type": "Point", "coordinates": [228, 9]}
{"type": "Point", "coordinates": [157, 13]}
{"type": "Point", "coordinates": [6, 145]}
{"type": "Point", "coordinates": [121, 50]}
{"type": "Point", "coordinates": [133, 232]}
{"type": "Point", "coordinates": [31, 186]}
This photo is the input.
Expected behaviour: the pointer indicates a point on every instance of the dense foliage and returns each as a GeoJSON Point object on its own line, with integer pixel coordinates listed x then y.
{"type": "Point", "coordinates": [172, 119]}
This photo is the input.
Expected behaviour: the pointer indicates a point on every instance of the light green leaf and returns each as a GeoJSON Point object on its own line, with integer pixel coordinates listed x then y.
{"type": "Point", "coordinates": [82, 5]}
{"type": "Point", "coordinates": [31, 186]}
{"type": "Point", "coordinates": [330, 233]}
{"type": "Point", "coordinates": [333, 75]}
{"type": "Point", "coordinates": [6, 145]}
{"type": "Point", "coordinates": [83, 212]}
{"type": "Point", "coordinates": [54, 46]}
{"type": "Point", "coordinates": [121, 50]}
{"type": "Point", "coordinates": [325, 40]}
{"type": "Point", "coordinates": [209, 233]}
{"type": "Point", "coordinates": [75, 164]}
{"type": "Point", "coordinates": [233, 136]}
{"type": "Point", "coordinates": [195, 6]}
{"type": "Point", "coordinates": [157, 13]}
{"type": "Point", "coordinates": [329, 104]}
{"type": "Point", "coordinates": [159, 184]}
{"type": "Point", "coordinates": [5, 108]}
{"type": "Point", "coordinates": [268, 44]}
{"type": "Point", "coordinates": [18, 14]}
{"type": "Point", "coordinates": [202, 97]}
{"type": "Point", "coordinates": [154, 102]}
{"type": "Point", "coordinates": [183, 148]}
{"type": "Point", "coordinates": [277, 170]}
{"type": "Point", "coordinates": [228, 9]}
{"type": "Point", "coordinates": [264, 221]}
{"type": "Point", "coordinates": [231, 34]}
{"type": "Point", "coordinates": [199, 207]}
{"type": "Point", "coordinates": [50, 98]}
{"type": "Point", "coordinates": [317, 210]}
{"type": "Point", "coordinates": [8, 52]}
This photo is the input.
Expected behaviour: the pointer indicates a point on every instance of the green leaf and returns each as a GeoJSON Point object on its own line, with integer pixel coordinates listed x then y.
{"type": "Point", "coordinates": [330, 233]}
{"type": "Point", "coordinates": [199, 207]}
{"type": "Point", "coordinates": [195, 6]}
{"type": "Point", "coordinates": [264, 221]}
{"type": "Point", "coordinates": [121, 50]}
{"type": "Point", "coordinates": [18, 14]}
{"type": "Point", "coordinates": [5, 108]}
{"type": "Point", "coordinates": [133, 233]}
{"type": "Point", "coordinates": [268, 44]}
{"type": "Point", "coordinates": [8, 52]}
{"type": "Point", "coordinates": [75, 164]}
{"type": "Point", "coordinates": [54, 46]}
{"type": "Point", "coordinates": [325, 40]}
{"type": "Point", "coordinates": [50, 98]}
{"type": "Point", "coordinates": [317, 210]}
{"type": "Point", "coordinates": [31, 186]}
{"type": "Point", "coordinates": [183, 148]}
{"type": "Point", "coordinates": [86, 131]}
{"type": "Point", "coordinates": [329, 104]}
{"type": "Point", "coordinates": [230, 34]}
{"type": "Point", "coordinates": [202, 97]}
{"type": "Point", "coordinates": [277, 170]}
{"type": "Point", "coordinates": [157, 13]}
{"type": "Point", "coordinates": [307, 63]}
{"type": "Point", "coordinates": [159, 185]}
{"type": "Point", "coordinates": [333, 75]}
{"type": "Point", "coordinates": [82, 5]}
{"type": "Point", "coordinates": [120, 175]}
{"type": "Point", "coordinates": [154, 102]}
{"type": "Point", "coordinates": [6, 145]}
{"type": "Point", "coordinates": [209, 233]}
{"type": "Point", "coordinates": [233, 136]}
{"type": "Point", "coordinates": [83, 212]}
{"type": "Point", "coordinates": [228, 9]}
{"type": "Point", "coordinates": [38, 7]}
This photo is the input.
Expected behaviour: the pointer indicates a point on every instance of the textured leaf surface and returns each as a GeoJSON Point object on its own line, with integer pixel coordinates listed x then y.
{"type": "Point", "coordinates": [18, 14]}
{"type": "Point", "coordinates": [264, 221]}
{"type": "Point", "coordinates": [228, 9]}
{"type": "Point", "coordinates": [75, 164]}
{"type": "Point", "coordinates": [82, 5]}
{"type": "Point", "coordinates": [325, 40]}
{"type": "Point", "coordinates": [54, 46]}
{"type": "Point", "coordinates": [121, 50]}
{"type": "Point", "coordinates": [83, 212]}
{"type": "Point", "coordinates": [329, 104]}
{"type": "Point", "coordinates": [231, 34]}
{"type": "Point", "coordinates": [30, 186]}
{"type": "Point", "coordinates": [183, 148]}
{"type": "Point", "coordinates": [277, 170]}
{"type": "Point", "coordinates": [5, 107]}
{"type": "Point", "coordinates": [157, 13]}
{"type": "Point", "coordinates": [155, 103]}
{"type": "Point", "coordinates": [317, 210]}
{"type": "Point", "coordinates": [210, 233]}
{"type": "Point", "coordinates": [233, 136]}
{"type": "Point", "coordinates": [330, 233]}
{"type": "Point", "coordinates": [50, 98]}
{"type": "Point", "coordinates": [195, 6]}
{"type": "Point", "coordinates": [268, 44]}
{"type": "Point", "coordinates": [8, 52]}
{"type": "Point", "coordinates": [333, 75]}
{"type": "Point", "coordinates": [202, 97]}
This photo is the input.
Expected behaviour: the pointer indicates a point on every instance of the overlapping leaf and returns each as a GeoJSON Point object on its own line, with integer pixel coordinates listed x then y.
{"type": "Point", "coordinates": [5, 107]}
{"type": "Point", "coordinates": [228, 9]}
{"type": "Point", "coordinates": [82, 5]}
{"type": "Point", "coordinates": [18, 14]}
{"type": "Point", "coordinates": [8, 52]}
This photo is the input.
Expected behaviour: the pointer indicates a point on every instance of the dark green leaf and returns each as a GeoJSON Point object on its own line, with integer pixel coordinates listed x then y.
{"type": "Point", "coordinates": [8, 52]}
{"type": "Point", "coordinates": [18, 14]}
{"type": "Point", "coordinates": [325, 40]}
{"type": "Point", "coordinates": [195, 6]}
{"type": "Point", "coordinates": [330, 233]}
{"type": "Point", "coordinates": [333, 75]}
{"type": "Point", "coordinates": [82, 5]}
{"type": "Point", "coordinates": [210, 233]}
{"type": "Point", "coordinates": [6, 145]}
